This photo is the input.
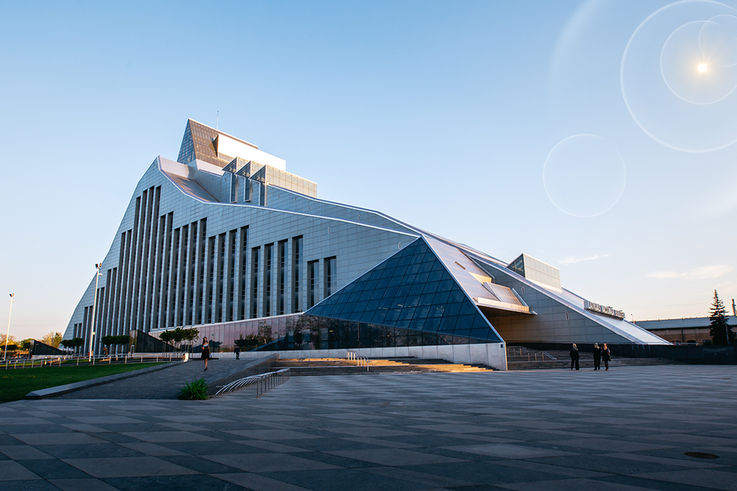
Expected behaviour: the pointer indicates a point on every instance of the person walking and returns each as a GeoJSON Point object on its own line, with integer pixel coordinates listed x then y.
{"type": "Point", "coordinates": [597, 357]}
{"type": "Point", "coordinates": [574, 356]}
{"type": "Point", "coordinates": [237, 352]}
{"type": "Point", "coordinates": [606, 355]}
{"type": "Point", "coordinates": [205, 351]}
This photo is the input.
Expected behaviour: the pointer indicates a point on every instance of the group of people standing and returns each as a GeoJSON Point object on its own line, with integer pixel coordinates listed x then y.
{"type": "Point", "coordinates": [601, 353]}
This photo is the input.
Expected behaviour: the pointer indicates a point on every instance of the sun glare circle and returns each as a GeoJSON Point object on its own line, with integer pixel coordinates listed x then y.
{"type": "Point", "coordinates": [702, 67]}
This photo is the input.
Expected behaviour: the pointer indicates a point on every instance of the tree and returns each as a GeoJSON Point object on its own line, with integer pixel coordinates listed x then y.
{"type": "Point", "coordinates": [720, 333]}
{"type": "Point", "coordinates": [52, 339]}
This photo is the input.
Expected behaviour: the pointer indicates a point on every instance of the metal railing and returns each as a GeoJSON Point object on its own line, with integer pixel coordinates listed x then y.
{"type": "Point", "coordinates": [77, 360]}
{"type": "Point", "coordinates": [519, 353]}
{"type": "Point", "coordinates": [360, 361]}
{"type": "Point", "coordinates": [263, 382]}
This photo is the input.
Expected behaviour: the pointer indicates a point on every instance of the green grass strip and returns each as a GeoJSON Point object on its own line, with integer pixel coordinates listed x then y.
{"type": "Point", "coordinates": [16, 383]}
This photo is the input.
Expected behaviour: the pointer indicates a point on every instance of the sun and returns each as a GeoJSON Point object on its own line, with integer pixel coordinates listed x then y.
{"type": "Point", "coordinates": [702, 67]}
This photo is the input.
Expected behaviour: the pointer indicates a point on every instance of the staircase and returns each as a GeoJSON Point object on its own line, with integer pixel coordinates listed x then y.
{"type": "Point", "coordinates": [521, 358]}
{"type": "Point", "coordinates": [342, 366]}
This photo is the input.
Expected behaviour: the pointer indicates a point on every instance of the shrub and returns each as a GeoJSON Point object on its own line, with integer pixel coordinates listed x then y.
{"type": "Point", "coordinates": [194, 391]}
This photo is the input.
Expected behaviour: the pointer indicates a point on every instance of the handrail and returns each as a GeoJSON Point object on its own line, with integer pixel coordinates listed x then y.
{"type": "Point", "coordinates": [263, 382]}
{"type": "Point", "coordinates": [21, 363]}
{"type": "Point", "coordinates": [361, 361]}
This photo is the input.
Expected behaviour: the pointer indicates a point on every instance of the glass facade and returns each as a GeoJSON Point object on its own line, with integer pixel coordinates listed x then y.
{"type": "Point", "coordinates": [410, 290]}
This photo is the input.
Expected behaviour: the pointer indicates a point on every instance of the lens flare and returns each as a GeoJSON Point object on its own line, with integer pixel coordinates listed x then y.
{"type": "Point", "coordinates": [702, 67]}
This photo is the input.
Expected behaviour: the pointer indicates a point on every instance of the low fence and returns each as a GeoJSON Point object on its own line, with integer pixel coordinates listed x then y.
{"type": "Point", "coordinates": [71, 360]}
{"type": "Point", "coordinates": [723, 355]}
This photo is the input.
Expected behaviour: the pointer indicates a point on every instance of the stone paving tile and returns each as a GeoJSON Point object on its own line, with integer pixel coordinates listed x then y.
{"type": "Point", "coordinates": [53, 469]}
{"type": "Point", "coordinates": [128, 467]}
{"type": "Point", "coordinates": [257, 482]}
{"type": "Point", "coordinates": [85, 484]}
{"type": "Point", "coordinates": [167, 483]}
{"type": "Point", "coordinates": [568, 484]}
{"type": "Point", "coordinates": [509, 451]}
{"type": "Point", "coordinates": [23, 452]}
{"type": "Point", "coordinates": [269, 462]}
{"type": "Point", "coordinates": [711, 478]}
{"type": "Point", "coordinates": [394, 456]}
{"type": "Point", "coordinates": [11, 470]}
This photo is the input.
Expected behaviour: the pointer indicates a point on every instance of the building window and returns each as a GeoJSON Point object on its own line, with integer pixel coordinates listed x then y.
{"type": "Point", "coordinates": [330, 276]}
{"type": "Point", "coordinates": [242, 274]}
{"type": "Point", "coordinates": [281, 276]}
{"type": "Point", "coordinates": [312, 283]}
{"type": "Point", "coordinates": [296, 273]}
{"type": "Point", "coordinates": [182, 276]}
{"type": "Point", "coordinates": [201, 271]}
{"type": "Point", "coordinates": [231, 275]}
{"type": "Point", "coordinates": [210, 278]}
{"type": "Point", "coordinates": [192, 267]}
{"type": "Point", "coordinates": [221, 278]}
{"type": "Point", "coordinates": [254, 281]}
{"type": "Point", "coordinates": [174, 269]}
{"type": "Point", "coordinates": [268, 258]}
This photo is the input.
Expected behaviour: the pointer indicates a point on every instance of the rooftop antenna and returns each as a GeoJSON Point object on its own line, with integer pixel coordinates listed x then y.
{"type": "Point", "coordinates": [734, 308]}
{"type": "Point", "coordinates": [217, 120]}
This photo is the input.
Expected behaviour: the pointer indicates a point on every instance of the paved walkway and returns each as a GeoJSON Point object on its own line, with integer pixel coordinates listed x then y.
{"type": "Point", "coordinates": [161, 384]}
{"type": "Point", "coordinates": [624, 429]}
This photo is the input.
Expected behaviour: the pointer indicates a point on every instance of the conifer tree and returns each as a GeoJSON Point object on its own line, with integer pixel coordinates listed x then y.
{"type": "Point", "coordinates": [720, 333]}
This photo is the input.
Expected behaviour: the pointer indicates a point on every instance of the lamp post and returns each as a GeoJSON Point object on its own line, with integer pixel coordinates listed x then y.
{"type": "Point", "coordinates": [7, 331]}
{"type": "Point", "coordinates": [94, 305]}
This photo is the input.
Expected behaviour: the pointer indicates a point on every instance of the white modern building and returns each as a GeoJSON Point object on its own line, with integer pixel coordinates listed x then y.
{"type": "Point", "coordinates": [227, 240]}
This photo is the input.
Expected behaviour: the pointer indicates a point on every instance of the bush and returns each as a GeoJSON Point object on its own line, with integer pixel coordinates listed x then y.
{"type": "Point", "coordinates": [194, 391]}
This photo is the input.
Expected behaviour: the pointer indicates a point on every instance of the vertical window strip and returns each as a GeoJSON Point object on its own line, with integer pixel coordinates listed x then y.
{"type": "Point", "coordinates": [231, 298]}
{"type": "Point", "coordinates": [210, 279]}
{"type": "Point", "coordinates": [254, 281]}
{"type": "Point", "coordinates": [296, 273]}
{"type": "Point", "coordinates": [152, 262]}
{"type": "Point", "coordinates": [281, 251]}
{"type": "Point", "coordinates": [268, 257]}
{"type": "Point", "coordinates": [182, 282]}
{"type": "Point", "coordinates": [139, 259]}
{"type": "Point", "coordinates": [192, 267]}
{"type": "Point", "coordinates": [201, 270]}
{"type": "Point", "coordinates": [243, 264]}
{"type": "Point", "coordinates": [164, 294]}
{"type": "Point", "coordinates": [220, 278]}
{"type": "Point", "coordinates": [329, 276]}
{"type": "Point", "coordinates": [312, 269]}
{"type": "Point", "coordinates": [174, 270]}
{"type": "Point", "coordinates": [131, 267]}
{"type": "Point", "coordinates": [121, 258]}
{"type": "Point", "coordinates": [155, 318]}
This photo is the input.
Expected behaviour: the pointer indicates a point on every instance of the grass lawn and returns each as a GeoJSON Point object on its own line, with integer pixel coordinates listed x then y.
{"type": "Point", "coordinates": [15, 384]}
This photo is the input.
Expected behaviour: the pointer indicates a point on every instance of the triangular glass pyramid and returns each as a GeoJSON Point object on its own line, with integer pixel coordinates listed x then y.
{"type": "Point", "coordinates": [410, 290]}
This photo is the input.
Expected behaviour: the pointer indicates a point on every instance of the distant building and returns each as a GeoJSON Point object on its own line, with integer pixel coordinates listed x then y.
{"type": "Point", "coordinates": [228, 241]}
{"type": "Point", "coordinates": [688, 330]}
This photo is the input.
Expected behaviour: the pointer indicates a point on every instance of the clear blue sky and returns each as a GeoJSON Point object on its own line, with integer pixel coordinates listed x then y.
{"type": "Point", "coordinates": [442, 114]}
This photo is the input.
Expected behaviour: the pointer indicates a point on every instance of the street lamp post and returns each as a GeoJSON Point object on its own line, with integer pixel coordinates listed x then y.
{"type": "Point", "coordinates": [94, 305]}
{"type": "Point", "coordinates": [7, 331]}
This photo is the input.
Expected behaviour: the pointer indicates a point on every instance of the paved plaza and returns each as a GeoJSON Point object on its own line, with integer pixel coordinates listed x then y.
{"type": "Point", "coordinates": [626, 429]}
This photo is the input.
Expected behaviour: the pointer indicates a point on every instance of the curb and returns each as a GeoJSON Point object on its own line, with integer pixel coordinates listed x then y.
{"type": "Point", "coordinates": [66, 388]}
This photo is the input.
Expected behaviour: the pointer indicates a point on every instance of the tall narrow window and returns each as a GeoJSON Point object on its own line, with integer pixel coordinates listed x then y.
{"type": "Point", "coordinates": [312, 269]}
{"type": "Point", "coordinates": [281, 274]}
{"type": "Point", "coordinates": [131, 267]}
{"type": "Point", "coordinates": [296, 273]}
{"type": "Point", "coordinates": [268, 257]}
{"type": "Point", "coordinates": [164, 315]}
{"type": "Point", "coordinates": [182, 285]}
{"type": "Point", "coordinates": [210, 278]}
{"type": "Point", "coordinates": [201, 271]}
{"type": "Point", "coordinates": [220, 279]}
{"type": "Point", "coordinates": [192, 266]}
{"type": "Point", "coordinates": [254, 281]}
{"type": "Point", "coordinates": [230, 298]}
{"type": "Point", "coordinates": [174, 268]}
{"type": "Point", "coordinates": [242, 294]}
{"type": "Point", "coordinates": [329, 276]}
